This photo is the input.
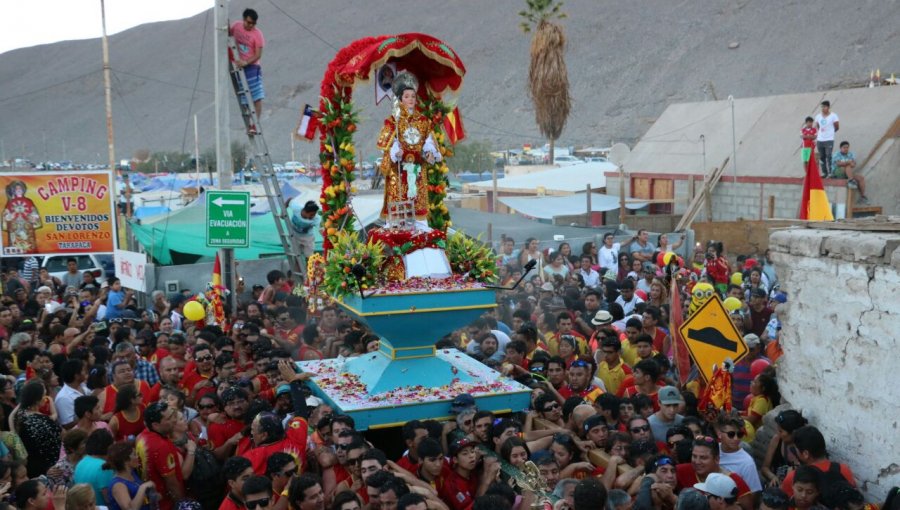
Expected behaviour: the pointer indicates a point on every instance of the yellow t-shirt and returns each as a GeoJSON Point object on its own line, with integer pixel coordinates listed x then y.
{"type": "Point", "coordinates": [612, 378]}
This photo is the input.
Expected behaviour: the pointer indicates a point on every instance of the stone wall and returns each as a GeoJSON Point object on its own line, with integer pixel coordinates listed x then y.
{"type": "Point", "coordinates": [841, 341]}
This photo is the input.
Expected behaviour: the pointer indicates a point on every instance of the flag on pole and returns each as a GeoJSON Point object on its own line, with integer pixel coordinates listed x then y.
{"type": "Point", "coordinates": [814, 203]}
{"type": "Point", "coordinates": [453, 126]}
{"type": "Point", "coordinates": [682, 356]}
{"type": "Point", "coordinates": [309, 123]}
{"type": "Point", "coordinates": [217, 273]}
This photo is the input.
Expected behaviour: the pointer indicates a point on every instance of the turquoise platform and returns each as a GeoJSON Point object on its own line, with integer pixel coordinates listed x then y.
{"type": "Point", "coordinates": [406, 379]}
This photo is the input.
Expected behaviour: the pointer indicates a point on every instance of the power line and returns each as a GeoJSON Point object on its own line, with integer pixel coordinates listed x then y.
{"type": "Point", "coordinates": [317, 36]}
{"type": "Point", "coordinates": [48, 87]}
{"type": "Point", "coordinates": [148, 78]}
{"type": "Point", "coordinates": [196, 81]}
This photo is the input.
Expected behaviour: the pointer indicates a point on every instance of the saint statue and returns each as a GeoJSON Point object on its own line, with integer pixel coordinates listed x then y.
{"type": "Point", "coordinates": [20, 219]}
{"type": "Point", "coordinates": [407, 145]}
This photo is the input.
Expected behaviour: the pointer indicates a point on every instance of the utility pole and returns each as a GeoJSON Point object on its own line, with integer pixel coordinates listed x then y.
{"type": "Point", "coordinates": [223, 138]}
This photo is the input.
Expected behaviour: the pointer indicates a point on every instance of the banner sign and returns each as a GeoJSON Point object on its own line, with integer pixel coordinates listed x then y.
{"type": "Point", "coordinates": [55, 213]}
{"type": "Point", "coordinates": [130, 269]}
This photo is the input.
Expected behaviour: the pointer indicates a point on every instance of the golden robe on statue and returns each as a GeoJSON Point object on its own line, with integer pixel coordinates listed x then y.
{"type": "Point", "coordinates": [407, 145]}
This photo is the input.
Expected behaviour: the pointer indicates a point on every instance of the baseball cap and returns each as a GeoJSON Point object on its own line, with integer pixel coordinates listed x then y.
{"type": "Point", "coordinates": [593, 421]}
{"type": "Point", "coordinates": [719, 485]}
{"type": "Point", "coordinates": [458, 445]}
{"type": "Point", "coordinates": [669, 395]}
{"type": "Point", "coordinates": [649, 267]}
{"type": "Point", "coordinates": [462, 402]}
{"type": "Point", "coordinates": [547, 287]}
{"type": "Point", "coordinates": [601, 318]}
{"type": "Point", "coordinates": [780, 297]}
{"type": "Point", "coordinates": [752, 340]}
{"type": "Point", "coordinates": [282, 389]}
{"type": "Point", "coordinates": [43, 288]}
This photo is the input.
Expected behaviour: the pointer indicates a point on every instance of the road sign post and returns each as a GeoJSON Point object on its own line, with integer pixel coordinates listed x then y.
{"type": "Point", "coordinates": [711, 337]}
{"type": "Point", "coordinates": [228, 219]}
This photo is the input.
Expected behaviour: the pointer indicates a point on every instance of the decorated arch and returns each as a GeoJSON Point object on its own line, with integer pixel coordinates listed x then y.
{"type": "Point", "coordinates": [440, 74]}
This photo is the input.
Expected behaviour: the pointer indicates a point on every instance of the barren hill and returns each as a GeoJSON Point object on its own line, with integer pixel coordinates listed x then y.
{"type": "Point", "coordinates": [627, 61]}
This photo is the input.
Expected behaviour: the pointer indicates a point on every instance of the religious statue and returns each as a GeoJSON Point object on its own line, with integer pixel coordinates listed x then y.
{"type": "Point", "coordinates": [407, 145]}
{"type": "Point", "coordinates": [20, 220]}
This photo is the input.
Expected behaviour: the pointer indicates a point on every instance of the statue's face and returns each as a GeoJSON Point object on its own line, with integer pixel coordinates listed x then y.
{"type": "Point", "coordinates": [408, 99]}
{"type": "Point", "coordinates": [19, 191]}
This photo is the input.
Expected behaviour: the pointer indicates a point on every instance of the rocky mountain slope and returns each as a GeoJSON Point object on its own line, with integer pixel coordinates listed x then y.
{"type": "Point", "coordinates": [627, 61]}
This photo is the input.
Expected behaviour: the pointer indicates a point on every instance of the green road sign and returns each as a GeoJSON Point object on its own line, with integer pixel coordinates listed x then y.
{"type": "Point", "coordinates": [228, 219]}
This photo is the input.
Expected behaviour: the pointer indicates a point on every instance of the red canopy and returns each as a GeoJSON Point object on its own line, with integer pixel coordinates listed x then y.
{"type": "Point", "coordinates": [435, 64]}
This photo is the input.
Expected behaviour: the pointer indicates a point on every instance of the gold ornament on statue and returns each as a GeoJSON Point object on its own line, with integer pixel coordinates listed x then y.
{"type": "Point", "coordinates": [532, 481]}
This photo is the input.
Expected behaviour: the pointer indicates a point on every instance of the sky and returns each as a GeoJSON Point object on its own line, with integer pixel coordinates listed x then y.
{"type": "Point", "coordinates": [48, 21]}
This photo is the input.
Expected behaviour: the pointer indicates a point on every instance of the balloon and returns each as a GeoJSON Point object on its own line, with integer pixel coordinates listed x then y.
{"type": "Point", "coordinates": [641, 294]}
{"type": "Point", "coordinates": [194, 311]}
{"type": "Point", "coordinates": [732, 304]}
{"type": "Point", "coordinates": [660, 259]}
{"type": "Point", "coordinates": [667, 258]}
{"type": "Point", "coordinates": [737, 279]}
{"type": "Point", "coordinates": [758, 366]}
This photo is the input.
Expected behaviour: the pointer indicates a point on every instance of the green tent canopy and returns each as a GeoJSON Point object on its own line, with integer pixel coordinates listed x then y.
{"type": "Point", "coordinates": [179, 237]}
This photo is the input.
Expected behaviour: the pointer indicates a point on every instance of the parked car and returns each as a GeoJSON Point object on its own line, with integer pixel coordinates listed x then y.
{"type": "Point", "coordinates": [295, 166]}
{"type": "Point", "coordinates": [566, 160]}
{"type": "Point", "coordinates": [57, 266]}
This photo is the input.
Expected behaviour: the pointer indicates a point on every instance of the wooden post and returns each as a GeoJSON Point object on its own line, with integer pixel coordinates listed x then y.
{"type": "Point", "coordinates": [490, 233]}
{"type": "Point", "coordinates": [771, 206]}
{"type": "Point", "coordinates": [760, 201]}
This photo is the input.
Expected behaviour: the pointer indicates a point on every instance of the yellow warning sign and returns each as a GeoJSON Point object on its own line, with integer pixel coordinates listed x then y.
{"type": "Point", "coordinates": [711, 337]}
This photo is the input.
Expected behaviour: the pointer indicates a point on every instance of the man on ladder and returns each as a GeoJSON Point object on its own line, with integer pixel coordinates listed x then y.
{"type": "Point", "coordinates": [250, 42]}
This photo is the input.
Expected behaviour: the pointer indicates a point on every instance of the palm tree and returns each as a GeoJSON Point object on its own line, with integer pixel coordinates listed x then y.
{"type": "Point", "coordinates": [548, 78]}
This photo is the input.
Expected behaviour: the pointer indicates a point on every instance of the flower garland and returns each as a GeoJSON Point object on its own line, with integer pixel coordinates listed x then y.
{"type": "Point", "coordinates": [436, 173]}
{"type": "Point", "coordinates": [337, 155]}
{"type": "Point", "coordinates": [347, 251]}
{"type": "Point", "coordinates": [469, 256]}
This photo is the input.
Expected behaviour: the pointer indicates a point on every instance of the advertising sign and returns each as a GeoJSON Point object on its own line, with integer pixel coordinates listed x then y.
{"type": "Point", "coordinates": [130, 269]}
{"type": "Point", "coordinates": [54, 213]}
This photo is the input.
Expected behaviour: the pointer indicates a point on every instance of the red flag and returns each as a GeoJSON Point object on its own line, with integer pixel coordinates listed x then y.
{"type": "Point", "coordinates": [676, 318]}
{"type": "Point", "coordinates": [217, 272]}
{"type": "Point", "coordinates": [309, 123]}
{"type": "Point", "coordinates": [814, 202]}
{"type": "Point", "coordinates": [453, 126]}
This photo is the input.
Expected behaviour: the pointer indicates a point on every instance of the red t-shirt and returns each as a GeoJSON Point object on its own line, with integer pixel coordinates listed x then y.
{"type": "Point", "coordinates": [109, 402]}
{"type": "Point", "coordinates": [590, 393]}
{"type": "Point", "coordinates": [157, 356]}
{"type": "Point", "coordinates": [456, 491]}
{"type": "Point", "coordinates": [192, 378]}
{"type": "Point", "coordinates": [809, 131]}
{"type": "Point", "coordinates": [659, 340]}
{"type": "Point", "coordinates": [159, 459]}
{"type": "Point", "coordinates": [230, 504]}
{"type": "Point", "coordinates": [294, 443]}
{"type": "Point", "coordinates": [633, 390]}
{"type": "Point", "coordinates": [406, 463]}
{"type": "Point", "coordinates": [220, 433]}
{"type": "Point", "coordinates": [687, 477]}
{"type": "Point", "coordinates": [129, 428]}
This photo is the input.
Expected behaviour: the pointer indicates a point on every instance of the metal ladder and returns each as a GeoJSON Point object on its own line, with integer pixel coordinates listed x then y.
{"type": "Point", "coordinates": [261, 158]}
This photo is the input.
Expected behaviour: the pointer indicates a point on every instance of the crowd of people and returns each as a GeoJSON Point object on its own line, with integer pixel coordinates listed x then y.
{"type": "Point", "coordinates": [110, 403]}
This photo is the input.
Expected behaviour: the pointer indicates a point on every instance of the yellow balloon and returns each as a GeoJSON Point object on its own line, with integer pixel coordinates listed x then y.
{"type": "Point", "coordinates": [667, 258]}
{"type": "Point", "coordinates": [732, 304]}
{"type": "Point", "coordinates": [737, 279]}
{"type": "Point", "coordinates": [194, 311]}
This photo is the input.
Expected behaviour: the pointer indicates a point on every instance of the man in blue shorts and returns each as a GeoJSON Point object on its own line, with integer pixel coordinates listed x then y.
{"type": "Point", "coordinates": [250, 42]}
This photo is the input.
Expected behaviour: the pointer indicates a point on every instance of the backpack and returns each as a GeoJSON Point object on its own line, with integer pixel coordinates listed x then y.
{"type": "Point", "coordinates": [833, 485]}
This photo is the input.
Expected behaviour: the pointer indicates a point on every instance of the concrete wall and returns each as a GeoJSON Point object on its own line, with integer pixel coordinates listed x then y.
{"type": "Point", "coordinates": [196, 276]}
{"type": "Point", "coordinates": [747, 200]}
{"type": "Point", "coordinates": [841, 343]}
